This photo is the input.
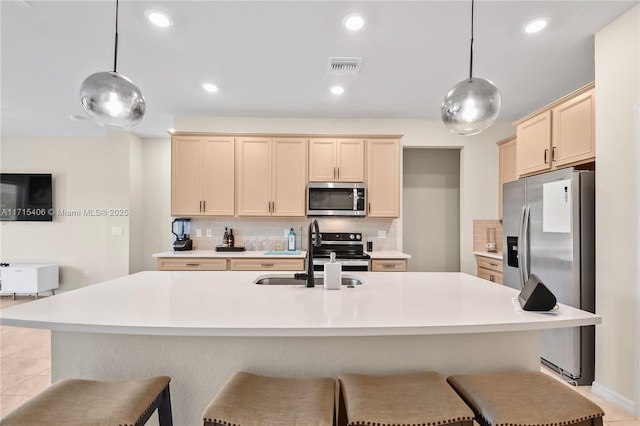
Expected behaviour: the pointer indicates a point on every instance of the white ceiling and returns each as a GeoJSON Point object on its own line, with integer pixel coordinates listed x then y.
{"type": "Point", "coordinates": [270, 58]}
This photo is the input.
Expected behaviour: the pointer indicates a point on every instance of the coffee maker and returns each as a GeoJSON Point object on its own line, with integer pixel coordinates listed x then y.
{"type": "Point", "coordinates": [181, 228]}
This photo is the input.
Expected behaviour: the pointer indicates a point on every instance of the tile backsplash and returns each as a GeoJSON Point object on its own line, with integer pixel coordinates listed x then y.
{"type": "Point", "coordinates": [482, 232]}
{"type": "Point", "coordinates": [256, 231]}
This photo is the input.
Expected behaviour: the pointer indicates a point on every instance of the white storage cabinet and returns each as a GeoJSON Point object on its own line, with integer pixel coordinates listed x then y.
{"type": "Point", "coordinates": [28, 279]}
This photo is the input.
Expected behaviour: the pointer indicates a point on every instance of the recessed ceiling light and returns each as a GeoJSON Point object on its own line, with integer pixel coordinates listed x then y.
{"type": "Point", "coordinates": [535, 25]}
{"type": "Point", "coordinates": [353, 22]}
{"type": "Point", "coordinates": [158, 18]}
{"type": "Point", "coordinates": [210, 87]}
{"type": "Point", "coordinates": [337, 90]}
{"type": "Point", "coordinates": [77, 117]}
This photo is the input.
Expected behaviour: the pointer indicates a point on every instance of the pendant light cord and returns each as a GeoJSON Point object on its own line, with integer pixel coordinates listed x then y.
{"type": "Point", "coordinates": [471, 50]}
{"type": "Point", "coordinates": [115, 54]}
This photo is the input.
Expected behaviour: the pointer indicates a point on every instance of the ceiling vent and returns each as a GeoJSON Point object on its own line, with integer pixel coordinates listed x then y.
{"type": "Point", "coordinates": [344, 66]}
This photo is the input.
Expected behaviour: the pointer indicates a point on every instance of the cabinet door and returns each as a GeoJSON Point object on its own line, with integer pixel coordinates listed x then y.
{"type": "Point", "coordinates": [218, 181]}
{"type": "Point", "coordinates": [322, 160]}
{"type": "Point", "coordinates": [534, 144]}
{"type": "Point", "coordinates": [389, 265]}
{"type": "Point", "coordinates": [186, 176]}
{"type": "Point", "coordinates": [253, 162]}
{"type": "Point", "coordinates": [266, 264]}
{"type": "Point", "coordinates": [350, 160]}
{"type": "Point", "coordinates": [289, 177]}
{"type": "Point", "coordinates": [383, 178]}
{"type": "Point", "coordinates": [506, 167]}
{"type": "Point", "coordinates": [574, 130]}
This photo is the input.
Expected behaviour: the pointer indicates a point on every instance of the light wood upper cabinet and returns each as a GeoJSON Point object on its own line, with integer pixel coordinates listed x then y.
{"type": "Point", "coordinates": [560, 135]}
{"type": "Point", "coordinates": [383, 177]}
{"type": "Point", "coordinates": [534, 144]}
{"type": "Point", "coordinates": [574, 130]}
{"type": "Point", "coordinates": [271, 176]}
{"type": "Point", "coordinates": [506, 166]}
{"type": "Point", "coordinates": [336, 160]}
{"type": "Point", "coordinates": [202, 176]}
{"type": "Point", "coordinates": [289, 177]}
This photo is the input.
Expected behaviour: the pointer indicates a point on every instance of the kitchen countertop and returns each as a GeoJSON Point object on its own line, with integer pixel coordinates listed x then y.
{"type": "Point", "coordinates": [229, 304]}
{"type": "Point", "coordinates": [229, 254]}
{"type": "Point", "coordinates": [389, 254]}
{"type": "Point", "coordinates": [487, 254]}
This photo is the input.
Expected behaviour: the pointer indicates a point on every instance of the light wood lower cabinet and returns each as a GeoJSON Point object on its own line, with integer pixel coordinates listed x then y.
{"type": "Point", "coordinates": [266, 264]}
{"type": "Point", "coordinates": [490, 269]}
{"type": "Point", "coordinates": [389, 265]}
{"type": "Point", "coordinates": [229, 264]}
{"type": "Point", "coordinates": [192, 264]}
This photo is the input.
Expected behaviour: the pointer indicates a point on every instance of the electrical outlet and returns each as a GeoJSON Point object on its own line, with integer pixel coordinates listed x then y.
{"type": "Point", "coordinates": [286, 232]}
{"type": "Point", "coordinates": [209, 233]}
{"type": "Point", "coordinates": [198, 232]}
{"type": "Point", "coordinates": [116, 230]}
{"type": "Point", "coordinates": [382, 234]}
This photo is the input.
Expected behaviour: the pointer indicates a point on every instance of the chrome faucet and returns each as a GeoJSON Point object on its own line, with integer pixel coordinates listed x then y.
{"type": "Point", "coordinates": [313, 227]}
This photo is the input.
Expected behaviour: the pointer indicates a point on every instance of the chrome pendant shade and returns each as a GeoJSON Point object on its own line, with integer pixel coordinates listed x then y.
{"type": "Point", "coordinates": [111, 99]}
{"type": "Point", "coordinates": [473, 104]}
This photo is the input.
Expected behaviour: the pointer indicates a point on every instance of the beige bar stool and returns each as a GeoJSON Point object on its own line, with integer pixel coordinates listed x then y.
{"type": "Point", "coordinates": [408, 399]}
{"type": "Point", "coordinates": [74, 402]}
{"type": "Point", "coordinates": [525, 398]}
{"type": "Point", "coordinates": [251, 400]}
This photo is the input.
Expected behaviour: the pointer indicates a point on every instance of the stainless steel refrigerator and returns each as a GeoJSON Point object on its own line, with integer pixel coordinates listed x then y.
{"type": "Point", "coordinates": [549, 230]}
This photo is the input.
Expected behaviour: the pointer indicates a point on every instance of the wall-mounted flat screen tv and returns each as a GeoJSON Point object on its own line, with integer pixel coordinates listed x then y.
{"type": "Point", "coordinates": [26, 197]}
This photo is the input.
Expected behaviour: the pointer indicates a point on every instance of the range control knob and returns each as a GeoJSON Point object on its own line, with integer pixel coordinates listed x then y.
{"type": "Point", "coordinates": [351, 236]}
{"type": "Point", "coordinates": [358, 236]}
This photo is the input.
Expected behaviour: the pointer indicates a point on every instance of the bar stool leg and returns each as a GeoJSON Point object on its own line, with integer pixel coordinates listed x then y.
{"type": "Point", "coordinates": [164, 409]}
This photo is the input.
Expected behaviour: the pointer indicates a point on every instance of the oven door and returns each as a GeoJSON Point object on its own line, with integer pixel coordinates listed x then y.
{"type": "Point", "coordinates": [347, 265]}
{"type": "Point", "coordinates": [336, 199]}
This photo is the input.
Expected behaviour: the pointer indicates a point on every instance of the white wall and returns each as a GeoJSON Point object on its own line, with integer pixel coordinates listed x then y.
{"type": "Point", "coordinates": [431, 209]}
{"type": "Point", "coordinates": [617, 56]}
{"type": "Point", "coordinates": [478, 156]}
{"type": "Point", "coordinates": [88, 173]}
{"type": "Point", "coordinates": [156, 200]}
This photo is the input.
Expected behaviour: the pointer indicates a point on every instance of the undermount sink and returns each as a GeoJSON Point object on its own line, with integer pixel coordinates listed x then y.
{"type": "Point", "coordinates": [348, 280]}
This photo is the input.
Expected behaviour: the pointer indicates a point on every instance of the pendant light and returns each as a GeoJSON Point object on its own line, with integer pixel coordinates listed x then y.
{"type": "Point", "coordinates": [473, 104]}
{"type": "Point", "coordinates": [111, 99]}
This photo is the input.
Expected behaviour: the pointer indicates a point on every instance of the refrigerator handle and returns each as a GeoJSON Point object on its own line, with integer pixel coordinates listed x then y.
{"type": "Point", "coordinates": [525, 246]}
{"type": "Point", "coordinates": [520, 247]}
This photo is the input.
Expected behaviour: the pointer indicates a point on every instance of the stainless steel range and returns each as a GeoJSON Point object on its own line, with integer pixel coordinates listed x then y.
{"type": "Point", "coordinates": [348, 247]}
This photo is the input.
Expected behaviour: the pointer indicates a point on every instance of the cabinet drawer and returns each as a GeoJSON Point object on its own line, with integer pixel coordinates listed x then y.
{"type": "Point", "coordinates": [192, 264]}
{"type": "Point", "coordinates": [267, 264]}
{"type": "Point", "coordinates": [490, 263]}
{"type": "Point", "coordinates": [389, 265]}
{"type": "Point", "coordinates": [495, 277]}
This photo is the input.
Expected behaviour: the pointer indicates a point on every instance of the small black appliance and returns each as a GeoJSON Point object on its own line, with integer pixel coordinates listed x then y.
{"type": "Point", "coordinates": [181, 228]}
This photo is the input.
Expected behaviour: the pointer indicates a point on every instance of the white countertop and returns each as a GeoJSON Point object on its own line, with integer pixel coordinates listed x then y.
{"type": "Point", "coordinates": [388, 255]}
{"type": "Point", "coordinates": [209, 303]}
{"type": "Point", "coordinates": [228, 254]}
{"type": "Point", "coordinates": [487, 254]}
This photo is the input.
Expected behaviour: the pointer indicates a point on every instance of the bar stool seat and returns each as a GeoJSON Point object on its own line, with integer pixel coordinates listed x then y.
{"type": "Point", "coordinates": [409, 399]}
{"type": "Point", "coordinates": [75, 402]}
{"type": "Point", "coordinates": [525, 399]}
{"type": "Point", "coordinates": [251, 400]}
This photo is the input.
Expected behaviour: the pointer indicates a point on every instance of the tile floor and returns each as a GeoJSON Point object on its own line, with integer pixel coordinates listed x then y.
{"type": "Point", "coordinates": [25, 369]}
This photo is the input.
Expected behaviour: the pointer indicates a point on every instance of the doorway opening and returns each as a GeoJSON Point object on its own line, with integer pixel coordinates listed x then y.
{"type": "Point", "coordinates": [431, 209]}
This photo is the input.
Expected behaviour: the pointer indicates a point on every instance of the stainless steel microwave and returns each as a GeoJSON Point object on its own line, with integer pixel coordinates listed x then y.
{"type": "Point", "coordinates": [336, 199]}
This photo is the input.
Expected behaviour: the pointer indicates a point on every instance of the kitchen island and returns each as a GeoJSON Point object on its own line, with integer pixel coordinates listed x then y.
{"type": "Point", "coordinates": [200, 327]}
